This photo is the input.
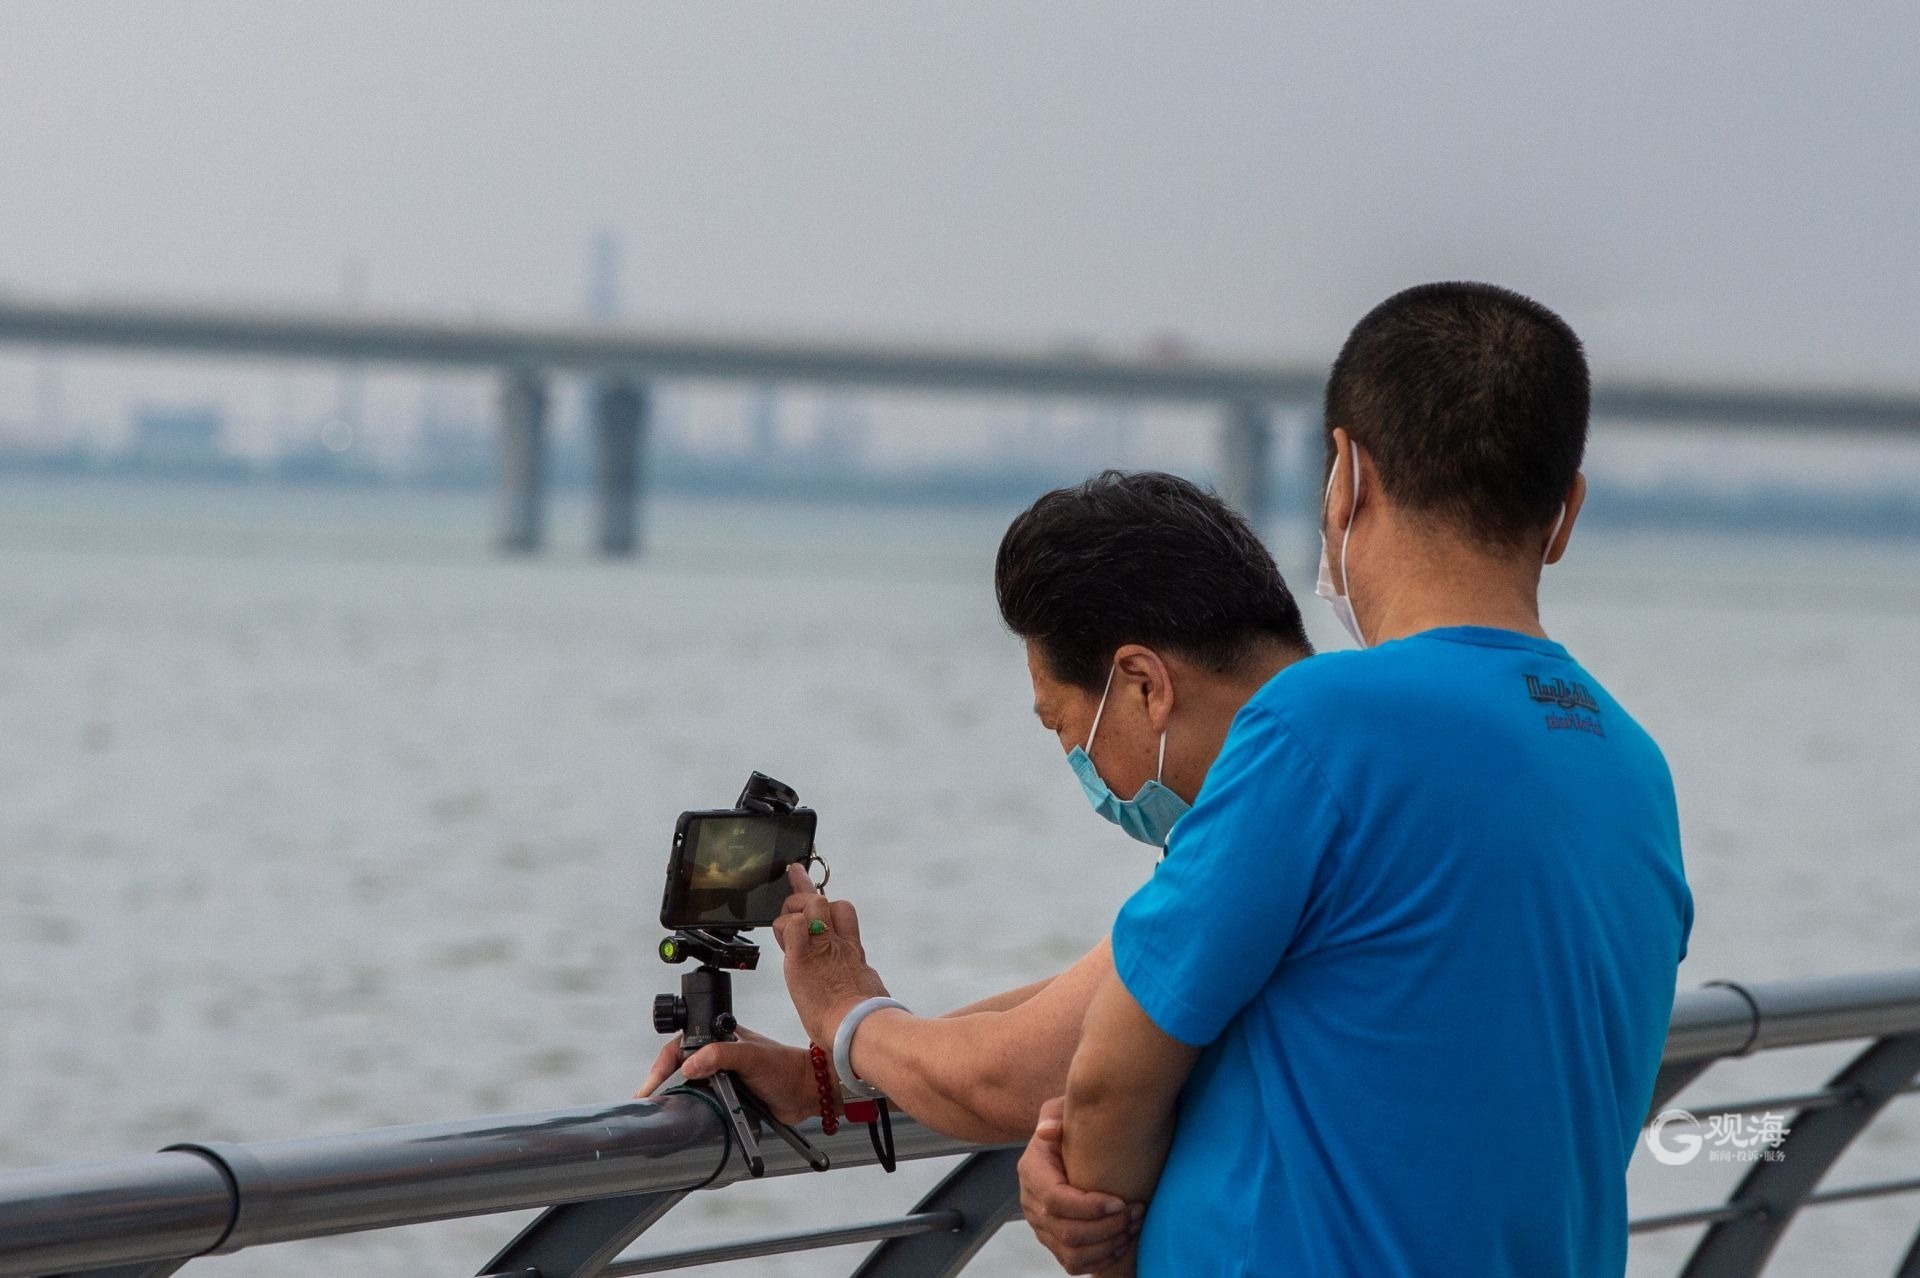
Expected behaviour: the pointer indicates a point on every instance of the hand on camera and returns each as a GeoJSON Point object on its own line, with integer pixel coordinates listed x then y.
{"type": "Point", "coordinates": [826, 970]}
{"type": "Point", "coordinates": [1088, 1233]}
{"type": "Point", "coordinates": [781, 1076]}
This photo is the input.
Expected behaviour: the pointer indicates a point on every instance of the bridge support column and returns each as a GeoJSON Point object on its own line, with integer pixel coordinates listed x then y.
{"type": "Point", "coordinates": [1309, 479]}
{"type": "Point", "coordinates": [523, 449]}
{"type": "Point", "coordinates": [620, 419]}
{"type": "Point", "coordinates": [1246, 457]}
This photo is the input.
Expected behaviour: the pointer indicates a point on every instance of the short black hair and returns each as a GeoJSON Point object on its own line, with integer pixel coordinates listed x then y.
{"type": "Point", "coordinates": [1472, 401]}
{"type": "Point", "coordinates": [1145, 558]}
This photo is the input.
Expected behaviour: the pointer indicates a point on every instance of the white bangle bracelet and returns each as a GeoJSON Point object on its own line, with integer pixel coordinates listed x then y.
{"type": "Point", "coordinates": [843, 1044]}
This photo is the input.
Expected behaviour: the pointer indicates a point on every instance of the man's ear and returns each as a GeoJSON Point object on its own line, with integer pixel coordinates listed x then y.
{"type": "Point", "coordinates": [1576, 498]}
{"type": "Point", "coordinates": [1141, 672]}
{"type": "Point", "coordinates": [1340, 500]}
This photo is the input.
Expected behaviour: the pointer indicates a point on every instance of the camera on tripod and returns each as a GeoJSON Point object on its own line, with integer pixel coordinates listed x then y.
{"type": "Point", "coordinates": [727, 875]}
{"type": "Point", "coordinates": [728, 869]}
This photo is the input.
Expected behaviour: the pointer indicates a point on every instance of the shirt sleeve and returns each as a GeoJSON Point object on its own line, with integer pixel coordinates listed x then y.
{"type": "Point", "coordinates": [1202, 937]}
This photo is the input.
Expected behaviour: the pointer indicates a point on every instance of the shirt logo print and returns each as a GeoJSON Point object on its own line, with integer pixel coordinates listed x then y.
{"type": "Point", "coordinates": [1578, 710]}
{"type": "Point", "coordinates": [1568, 696]}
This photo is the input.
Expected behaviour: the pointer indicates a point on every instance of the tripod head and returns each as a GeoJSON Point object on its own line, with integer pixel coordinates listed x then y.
{"type": "Point", "coordinates": [702, 1012]}
{"type": "Point", "coordinates": [710, 947]}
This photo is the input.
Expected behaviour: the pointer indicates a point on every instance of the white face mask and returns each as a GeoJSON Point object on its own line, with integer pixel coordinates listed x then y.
{"type": "Point", "coordinates": [1337, 599]}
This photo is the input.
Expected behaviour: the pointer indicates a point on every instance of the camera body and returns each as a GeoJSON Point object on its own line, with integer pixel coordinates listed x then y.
{"type": "Point", "coordinates": [727, 871]}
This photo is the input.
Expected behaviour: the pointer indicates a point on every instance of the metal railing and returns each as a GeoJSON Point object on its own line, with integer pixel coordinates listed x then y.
{"type": "Point", "coordinates": [606, 1174]}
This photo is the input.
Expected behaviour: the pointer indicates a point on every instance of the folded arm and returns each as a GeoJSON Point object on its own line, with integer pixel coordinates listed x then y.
{"type": "Point", "coordinates": [1121, 1090]}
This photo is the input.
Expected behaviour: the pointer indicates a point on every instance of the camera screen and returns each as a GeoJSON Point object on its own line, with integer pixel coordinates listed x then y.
{"type": "Point", "coordinates": [731, 868]}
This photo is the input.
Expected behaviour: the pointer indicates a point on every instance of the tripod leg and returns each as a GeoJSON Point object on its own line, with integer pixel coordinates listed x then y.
{"type": "Point", "coordinates": [724, 1088]}
{"type": "Point", "coordinates": [795, 1141]}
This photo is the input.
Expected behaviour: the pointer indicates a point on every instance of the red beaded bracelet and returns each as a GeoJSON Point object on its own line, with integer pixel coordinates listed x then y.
{"type": "Point", "coordinates": [829, 1122]}
{"type": "Point", "coordinates": [857, 1111]}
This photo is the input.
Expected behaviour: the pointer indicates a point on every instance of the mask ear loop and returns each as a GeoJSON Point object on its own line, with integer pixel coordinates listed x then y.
{"type": "Point", "coordinates": [1102, 709]}
{"type": "Point", "coordinates": [1160, 769]}
{"type": "Point", "coordinates": [1548, 548]}
{"type": "Point", "coordinates": [1353, 464]}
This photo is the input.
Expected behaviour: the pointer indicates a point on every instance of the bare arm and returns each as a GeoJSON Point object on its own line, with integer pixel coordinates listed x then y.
{"type": "Point", "coordinates": [1121, 1090]}
{"type": "Point", "coordinates": [1002, 1002]}
{"type": "Point", "coordinates": [982, 1073]}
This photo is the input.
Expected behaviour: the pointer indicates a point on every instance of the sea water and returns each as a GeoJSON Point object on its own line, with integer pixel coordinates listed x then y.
{"type": "Point", "coordinates": [316, 816]}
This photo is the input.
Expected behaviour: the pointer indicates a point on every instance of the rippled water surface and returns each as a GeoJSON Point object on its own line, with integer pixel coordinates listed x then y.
{"type": "Point", "coordinates": [313, 816]}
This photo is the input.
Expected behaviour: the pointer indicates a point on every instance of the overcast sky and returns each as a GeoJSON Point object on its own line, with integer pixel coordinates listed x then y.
{"type": "Point", "coordinates": [1705, 189]}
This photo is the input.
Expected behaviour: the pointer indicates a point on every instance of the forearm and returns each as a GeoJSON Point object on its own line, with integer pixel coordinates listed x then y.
{"type": "Point", "coordinates": [983, 1074]}
{"type": "Point", "coordinates": [1001, 1002]}
{"type": "Point", "coordinates": [963, 1075]}
{"type": "Point", "coordinates": [1111, 1147]}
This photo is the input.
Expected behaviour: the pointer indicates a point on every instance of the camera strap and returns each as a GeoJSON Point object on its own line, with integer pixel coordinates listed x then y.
{"type": "Point", "coordinates": [881, 1134]}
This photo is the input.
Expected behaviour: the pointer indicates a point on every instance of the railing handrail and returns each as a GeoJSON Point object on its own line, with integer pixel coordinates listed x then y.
{"type": "Point", "coordinates": [193, 1199]}
{"type": "Point", "coordinates": [1730, 1018]}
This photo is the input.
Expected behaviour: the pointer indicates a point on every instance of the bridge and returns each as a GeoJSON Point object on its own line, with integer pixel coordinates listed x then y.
{"type": "Point", "coordinates": [606, 1174]}
{"type": "Point", "coordinates": [623, 363]}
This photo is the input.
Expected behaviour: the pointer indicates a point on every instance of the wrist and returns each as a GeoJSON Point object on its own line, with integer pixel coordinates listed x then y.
{"type": "Point", "coordinates": [851, 1024]}
{"type": "Point", "coordinates": [802, 1106]}
{"type": "Point", "coordinates": [868, 1044]}
{"type": "Point", "coordinates": [870, 986]}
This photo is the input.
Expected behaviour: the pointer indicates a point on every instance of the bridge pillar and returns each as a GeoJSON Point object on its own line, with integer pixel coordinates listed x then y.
{"type": "Point", "coordinates": [621, 410]}
{"type": "Point", "coordinates": [523, 447]}
{"type": "Point", "coordinates": [1246, 456]}
{"type": "Point", "coordinates": [1309, 480]}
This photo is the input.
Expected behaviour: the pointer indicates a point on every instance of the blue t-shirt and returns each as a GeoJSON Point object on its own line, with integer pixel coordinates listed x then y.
{"type": "Point", "coordinates": [1424, 918]}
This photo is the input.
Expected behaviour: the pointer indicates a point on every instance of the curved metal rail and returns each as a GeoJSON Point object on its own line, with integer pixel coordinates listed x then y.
{"type": "Point", "coordinates": [606, 1174]}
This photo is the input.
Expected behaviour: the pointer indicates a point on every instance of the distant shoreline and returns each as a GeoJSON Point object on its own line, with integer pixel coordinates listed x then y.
{"type": "Point", "coordinates": [1885, 513]}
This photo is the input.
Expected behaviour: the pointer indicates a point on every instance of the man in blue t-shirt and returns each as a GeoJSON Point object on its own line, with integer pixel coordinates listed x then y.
{"type": "Point", "coordinates": [1394, 1000]}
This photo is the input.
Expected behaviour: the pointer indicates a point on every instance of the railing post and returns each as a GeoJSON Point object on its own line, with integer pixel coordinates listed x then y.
{"type": "Point", "coordinates": [523, 446]}
{"type": "Point", "coordinates": [579, 1240]}
{"type": "Point", "coordinates": [1773, 1192]}
{"type": "Point", "coordinates": [985, 1190]}
{"type": "Point", "coordinates": [621, 410]}
{"type": "Point", "coordinates": [1910, 1264]}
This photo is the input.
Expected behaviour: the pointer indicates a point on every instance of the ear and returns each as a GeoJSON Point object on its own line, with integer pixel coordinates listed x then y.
{"type": "Point", "coordinates": [1576, 498]}
{"type": "Point", "coordinates": [1141, 672]}
{"type": "Point", "coordinates": [1340, 501]}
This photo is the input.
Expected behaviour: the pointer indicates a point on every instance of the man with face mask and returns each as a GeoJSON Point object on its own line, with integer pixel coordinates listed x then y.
{"type": "Point", "coordinates": [1394, 1001]}
{"type": "Point", "coordinates": [1150, 613]}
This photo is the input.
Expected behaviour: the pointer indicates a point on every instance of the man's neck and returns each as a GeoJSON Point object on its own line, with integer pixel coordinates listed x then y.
{"type": "Point", "coordinates": [1210, 700]}
{"type": "Point", "coordinates": [1422, 582]}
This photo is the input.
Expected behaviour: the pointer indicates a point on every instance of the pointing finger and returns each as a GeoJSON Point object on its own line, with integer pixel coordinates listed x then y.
{"type": "Point", "coordinates": [799, 888]}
